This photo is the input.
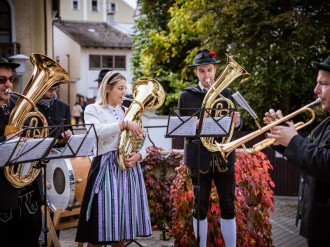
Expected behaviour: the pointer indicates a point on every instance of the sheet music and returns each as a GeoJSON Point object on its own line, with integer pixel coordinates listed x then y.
{"type": "Point", "coordinates": [242, 102]}
{"type": "Point", "coordinates": [211, 126]}
{"type": "Point", "coordinates": [187, 128]}
{"type": "Point", "coordinates": [33, 149]}
{"type": "Point", "coordinates": [7, 148]}
{"type": "Point", "coordinates": [75, 141]}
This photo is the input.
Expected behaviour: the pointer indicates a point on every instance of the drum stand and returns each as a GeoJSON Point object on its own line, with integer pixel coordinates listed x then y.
{"type": "Point", "coordinates": [55, 224]}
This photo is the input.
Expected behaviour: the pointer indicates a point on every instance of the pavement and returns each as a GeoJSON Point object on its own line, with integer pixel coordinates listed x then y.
{"type": "Point", "coordinates": [284, 231]}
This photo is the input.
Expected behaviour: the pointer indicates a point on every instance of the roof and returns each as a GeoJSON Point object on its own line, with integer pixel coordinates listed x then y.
{"type": "Point", "coordinates": [95, 34]}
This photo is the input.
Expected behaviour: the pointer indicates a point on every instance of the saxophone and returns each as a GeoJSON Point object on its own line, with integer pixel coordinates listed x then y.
{"type": "Point", "coordinates": [46, 73]}
{"type": "Point", "coordinates": [148, 94]}
{"type": "Point", "coordinates": [212, 100]}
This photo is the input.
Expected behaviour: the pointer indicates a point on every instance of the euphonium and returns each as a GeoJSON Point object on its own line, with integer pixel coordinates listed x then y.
{"type": "Point", "coordinates": [46, 73]}
{"type": "Point", "coordinates": [148, 94]}
{"type": "Point", "coordinates": [226, 149]}
{"type": "Point", "coordinates": [212, 99]}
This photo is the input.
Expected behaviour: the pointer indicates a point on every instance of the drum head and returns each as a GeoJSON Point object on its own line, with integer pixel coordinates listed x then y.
{"type": "Point", "coordinates": [60, 184]}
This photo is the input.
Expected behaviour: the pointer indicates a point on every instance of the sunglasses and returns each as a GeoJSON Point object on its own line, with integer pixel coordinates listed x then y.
{"type": "Point", "coordinates": [4, 79]}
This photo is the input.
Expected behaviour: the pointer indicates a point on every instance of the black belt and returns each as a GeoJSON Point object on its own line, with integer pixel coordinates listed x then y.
{"type": "Point", "coordinates": [189, 141]}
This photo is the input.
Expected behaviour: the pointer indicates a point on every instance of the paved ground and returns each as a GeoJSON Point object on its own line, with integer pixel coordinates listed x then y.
{"type": "Point", "coordinates": [284, 233]}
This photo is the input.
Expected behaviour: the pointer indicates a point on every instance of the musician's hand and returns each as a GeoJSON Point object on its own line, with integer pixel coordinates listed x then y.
{"type": "Point", "coordinates": [132, 159]}
{"type": "Point", "coordinates": [67, 134]}
{"type": "Point", "coordinates": [272, 116]}
{"type": "Point", "coordinates": [236, 118]}
{"type": "Point", "coordinates": [283, 134]}
{"type": "Point", "coordinates": [135, 128]}
{"type": "Point", "coordinates": [206, 115]}
{"type": "Point", "coordinates": [12, 136]}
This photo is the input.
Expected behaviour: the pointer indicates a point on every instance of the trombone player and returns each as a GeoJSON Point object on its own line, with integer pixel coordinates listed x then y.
{"type": "Point", "coordinates": [312, 156]}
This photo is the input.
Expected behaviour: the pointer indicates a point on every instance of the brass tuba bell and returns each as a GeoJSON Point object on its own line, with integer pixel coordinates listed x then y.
{"type": "Point", "coordinates": [212, 100]}
{"type": "Point", "coordinates": [148, 94]}
{"type": "Point", "coordinates": [46, 73]}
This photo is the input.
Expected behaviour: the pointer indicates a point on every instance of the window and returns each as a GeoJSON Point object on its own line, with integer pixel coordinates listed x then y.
{"type": "Point", "coordinates": [95, 6]}
{"type": "Point", "coordinates": [5, 22]}
{"type": "Point", "coordinates": [94, 61]}
{"type": "Point", "coordinates": [107, 61]}
{"type": "Point", "coordinates": [75, 4]}
{"type": "Point", "coordinates": [120, 61]}
{"type": "Point", "coordinates": [112, 8]}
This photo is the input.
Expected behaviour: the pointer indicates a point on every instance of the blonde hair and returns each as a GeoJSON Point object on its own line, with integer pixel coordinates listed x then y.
{"type": "Point", "coordinates": [109, 80]}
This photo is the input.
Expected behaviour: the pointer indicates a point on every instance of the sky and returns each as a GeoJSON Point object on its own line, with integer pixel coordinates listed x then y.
{"type": "Point", "coordinates": [131, 3]}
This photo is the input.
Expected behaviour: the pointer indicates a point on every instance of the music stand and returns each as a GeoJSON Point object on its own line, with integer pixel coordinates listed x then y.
{"type": "Point", "coordinates": [38, 150]}
{"type": "Point", "coordinates": [30, 150]}
{"type": "Point", "coordinates": [77, 145]}
{"type": "Point", "coordinates": [133, 241]}
{"type": "Point", "coordinates": [185, 126]}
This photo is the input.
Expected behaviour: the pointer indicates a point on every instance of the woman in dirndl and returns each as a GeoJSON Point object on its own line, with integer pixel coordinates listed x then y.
{"type": "Point", "coordinates": [115, 205]}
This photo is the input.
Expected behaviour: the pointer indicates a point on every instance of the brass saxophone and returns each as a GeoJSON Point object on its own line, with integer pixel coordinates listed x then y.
{"type": "Point", "coordinates": [46, 73]}
{"type": "Point", "coordinates": [148, 94]}
{"type": "Point", "coordinates": [212, 100]}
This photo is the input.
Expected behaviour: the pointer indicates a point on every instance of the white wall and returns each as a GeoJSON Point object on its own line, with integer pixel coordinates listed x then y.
{"type": "Point", "coordinates": [157, 135]}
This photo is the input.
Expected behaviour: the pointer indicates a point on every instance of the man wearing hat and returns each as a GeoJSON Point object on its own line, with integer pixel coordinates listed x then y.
{"type": "Point", "coordinates": [20, 215]}
{"type": "Point", "coordinates": [312, 156]}
{"type": "Point", "coordinates": [209, 166]}
{"type": "Point", "coordinates": [102, 73]}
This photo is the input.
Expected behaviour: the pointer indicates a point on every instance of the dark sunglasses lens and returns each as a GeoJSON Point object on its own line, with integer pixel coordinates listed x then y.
{"type": "Point", "coordinates": [3, 79]}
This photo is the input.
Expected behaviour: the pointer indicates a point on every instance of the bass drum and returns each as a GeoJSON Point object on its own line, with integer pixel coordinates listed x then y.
{"type": "Point", "coordinates": [66, 182]}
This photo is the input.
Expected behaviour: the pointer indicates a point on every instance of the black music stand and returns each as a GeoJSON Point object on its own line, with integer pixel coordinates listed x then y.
{"type": "Point", "coordinates": [77, 145]}
{"type": "Point", "coordinates": [186, 127]}
{"type": "Point", "coordinates": [31, 150]}
{"type": "Point", "coordinates": [133, 241]}
{"type": "Point", "coordinates": [22, 152]}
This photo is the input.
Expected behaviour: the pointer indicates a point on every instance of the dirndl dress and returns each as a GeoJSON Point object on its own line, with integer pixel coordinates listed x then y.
{"type": "Point", "coordinates": [115, 204]}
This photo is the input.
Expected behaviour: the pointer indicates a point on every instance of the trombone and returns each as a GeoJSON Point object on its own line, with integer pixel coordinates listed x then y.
{"type": "Point", "coordinates": [226, 149]}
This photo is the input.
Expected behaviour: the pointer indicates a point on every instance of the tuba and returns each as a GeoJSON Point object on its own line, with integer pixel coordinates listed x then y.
{"type": "Point", "coordinates": [46, 73]}
{"type": "Point", "coordinates": [213, 101]}
{"type": "Point", "coordinates": [148, 94]}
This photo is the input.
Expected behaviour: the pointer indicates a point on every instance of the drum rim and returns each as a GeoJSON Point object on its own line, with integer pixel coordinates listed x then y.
{"type": "Point", "coordinates": [69, 182]}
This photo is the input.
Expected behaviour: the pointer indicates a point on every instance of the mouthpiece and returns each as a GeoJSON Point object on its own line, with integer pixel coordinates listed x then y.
{"type": "Point", "coordinates": [129, 99]}
{"type": "Point", "coordinates": [208, 80]}
{"type": "Point", "coordinates": [318, 100]}
{"type": "Point", "coordinates": [7, 90]}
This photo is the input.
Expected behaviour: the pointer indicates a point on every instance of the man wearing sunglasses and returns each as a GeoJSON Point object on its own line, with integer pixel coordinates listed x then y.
{"type": "Point", "coordinates": [20, 215]}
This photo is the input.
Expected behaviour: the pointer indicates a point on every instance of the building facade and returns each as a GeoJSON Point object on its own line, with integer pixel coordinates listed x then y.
{"type": "Point", "coordinates": [91, 35]}
{"type": "Point", "coordinates": [26, 28]}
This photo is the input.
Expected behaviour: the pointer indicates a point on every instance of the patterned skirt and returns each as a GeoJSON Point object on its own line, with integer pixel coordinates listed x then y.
{"type": "Point", "coordinates": [115, 204]}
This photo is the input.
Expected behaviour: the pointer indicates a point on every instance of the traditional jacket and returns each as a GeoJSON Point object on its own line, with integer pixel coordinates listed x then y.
{"type": "Point", "coordinates": [8, 193]}
{"type": "Point", "coordinates": [192, 98]}
{"type": "Point", "coordinates": [312, 156]}
{"type": "Point", "coordinates": [107, 129]}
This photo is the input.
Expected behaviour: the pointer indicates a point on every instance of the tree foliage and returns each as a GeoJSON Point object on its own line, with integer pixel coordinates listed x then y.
{"type": "Point", "coordinates": [275, 40]}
